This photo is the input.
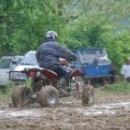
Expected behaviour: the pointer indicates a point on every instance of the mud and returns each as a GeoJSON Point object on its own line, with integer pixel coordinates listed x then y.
{"type": "Point", "coordinates": [109, 112]}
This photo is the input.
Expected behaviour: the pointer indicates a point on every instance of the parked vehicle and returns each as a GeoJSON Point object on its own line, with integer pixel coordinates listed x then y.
{"type": "Point", "coordinates": [95, 64]}
{"type": "Point", "coordinates": [28, 61]}
{"type": "Point", "coordinates": [6, 66]}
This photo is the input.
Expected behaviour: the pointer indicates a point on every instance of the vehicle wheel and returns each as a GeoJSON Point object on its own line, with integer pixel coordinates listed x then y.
{"type": "Point", "coordinates": [48, 96]}
{"type": "Point", "coordinates": [88, 95]}
{"type": "Point", "coordinates": [20, 95]}
{"type": "Point", "coordinates": [76, 85]}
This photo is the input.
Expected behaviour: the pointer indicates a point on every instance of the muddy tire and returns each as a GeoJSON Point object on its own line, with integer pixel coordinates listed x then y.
{"type": "Point", "coordinates": [88, 95]}
{"type": "Point", "coordinates": [19, 95]}
{"type": "Point", "coordinates": [48, 96]}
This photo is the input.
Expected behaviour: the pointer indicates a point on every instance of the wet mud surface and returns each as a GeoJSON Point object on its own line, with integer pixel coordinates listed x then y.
{"type": "Point", "coordinates": [109, 112]}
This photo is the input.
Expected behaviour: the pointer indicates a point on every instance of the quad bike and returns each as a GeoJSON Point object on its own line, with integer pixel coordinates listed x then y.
{"type": "Point", "coordinates": [44, 87]}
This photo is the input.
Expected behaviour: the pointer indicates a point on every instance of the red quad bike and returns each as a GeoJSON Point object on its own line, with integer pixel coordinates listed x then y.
{"type": "Point", "coordinates": [44, 87]}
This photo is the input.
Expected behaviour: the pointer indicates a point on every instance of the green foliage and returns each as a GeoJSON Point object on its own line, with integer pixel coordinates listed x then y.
{"type": "Point", "coordinates": [87, 33]}
{"type": "Point", "coordinates": [80, 24]}
{"type": "Point", "coordinates": [23, 24]}
{"type": "Point", "coordinates": [119, 49]}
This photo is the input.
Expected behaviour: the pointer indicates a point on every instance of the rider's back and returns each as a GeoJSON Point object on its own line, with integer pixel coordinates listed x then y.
{"type": "Point", "coordinates": [49, 52]}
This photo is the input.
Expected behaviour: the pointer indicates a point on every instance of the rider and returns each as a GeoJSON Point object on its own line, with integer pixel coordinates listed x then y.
{"type": "Point", "coordinates": [50, 51]}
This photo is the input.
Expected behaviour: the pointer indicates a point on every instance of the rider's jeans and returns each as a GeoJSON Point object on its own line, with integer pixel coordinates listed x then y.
{"type": "Point", "coordinates": [63, 77]}
{"type": "Point", "coordinates": [61, 72]}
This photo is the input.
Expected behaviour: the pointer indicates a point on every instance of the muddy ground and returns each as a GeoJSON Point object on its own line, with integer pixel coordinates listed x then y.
{"type": "Point", "coordinates": [109, 112]}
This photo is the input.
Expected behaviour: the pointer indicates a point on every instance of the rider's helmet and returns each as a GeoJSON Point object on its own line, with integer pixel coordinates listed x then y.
{"type": "Point", "coordinates": [52, 35]}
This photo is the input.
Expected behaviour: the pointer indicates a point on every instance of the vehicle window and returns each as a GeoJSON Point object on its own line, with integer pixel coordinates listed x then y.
{"type": "Point", "coordinates": [5, 63]}
{"type": "Point", "coordinates": [29, 59]}
{"type": "Point", "coordinates": [94, 57]}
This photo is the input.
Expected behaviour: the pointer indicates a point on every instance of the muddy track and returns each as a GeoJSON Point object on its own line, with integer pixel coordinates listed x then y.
{"type": "Point", "coordinates": [109, 112]}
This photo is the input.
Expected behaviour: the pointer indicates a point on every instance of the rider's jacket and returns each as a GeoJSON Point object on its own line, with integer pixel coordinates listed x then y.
{"type": "Point", "coordinates": [49, 52]}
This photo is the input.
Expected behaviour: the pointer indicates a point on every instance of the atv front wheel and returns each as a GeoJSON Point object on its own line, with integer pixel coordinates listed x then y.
{"type": "Point", "coordinates": [20, 95]}
{"type": "Point", "coordinates": [88, 95]}
{"type": "Point", "coordinates": [48, 96]}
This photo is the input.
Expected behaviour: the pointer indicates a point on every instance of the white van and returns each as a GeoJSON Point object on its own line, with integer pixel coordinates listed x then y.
{"type": "Point", "coordinates": [6, 66]}
{"type": "Point", "coordinates": [28, 61]}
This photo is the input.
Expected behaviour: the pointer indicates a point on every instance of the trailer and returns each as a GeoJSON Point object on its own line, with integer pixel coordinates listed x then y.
{"type": "Point", "coordinates": [95, 65]}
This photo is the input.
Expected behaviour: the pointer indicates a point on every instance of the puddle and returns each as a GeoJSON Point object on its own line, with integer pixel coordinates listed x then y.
{"type": "Point", "coordinates": [102, 109]}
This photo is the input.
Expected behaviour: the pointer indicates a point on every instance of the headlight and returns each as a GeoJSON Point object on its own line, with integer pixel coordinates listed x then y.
{"type": "Point", "coordinates": [15, 75]}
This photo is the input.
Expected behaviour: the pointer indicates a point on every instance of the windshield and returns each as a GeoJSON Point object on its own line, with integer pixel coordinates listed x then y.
{"type": "Point", "coordinates": [29, 59]}
{"type": "Point", "coordinates": [96, 56]}
{"type": "Point", "coordinates": [5, 63]}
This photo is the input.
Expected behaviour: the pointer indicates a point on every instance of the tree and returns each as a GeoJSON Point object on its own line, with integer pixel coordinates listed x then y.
{"type": "Point", "coordinates": [84, 23]}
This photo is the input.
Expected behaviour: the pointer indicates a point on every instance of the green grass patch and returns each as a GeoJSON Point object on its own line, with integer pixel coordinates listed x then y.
{"type": "Point", "coordinates": [120, 87]}
{"type": "Point", "coordinates": [5, 93]}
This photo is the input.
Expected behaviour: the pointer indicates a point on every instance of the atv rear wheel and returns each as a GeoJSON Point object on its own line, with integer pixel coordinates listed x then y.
{"type": "Point", "coordinates": [48, 96]}
{"type": "Point", "coordinates": [20, 95]}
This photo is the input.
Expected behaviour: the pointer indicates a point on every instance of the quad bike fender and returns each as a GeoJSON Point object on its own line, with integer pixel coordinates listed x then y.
{"type": "Point", "coordinates": [51, 75]}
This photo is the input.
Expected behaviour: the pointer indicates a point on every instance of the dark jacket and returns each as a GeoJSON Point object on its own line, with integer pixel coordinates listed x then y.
{"type": "Point", "coordinates": [49, 52]}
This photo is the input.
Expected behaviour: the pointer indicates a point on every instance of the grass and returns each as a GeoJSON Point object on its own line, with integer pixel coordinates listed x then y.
{"type": "Point", "coordinates": [6, 93]}
{"type": "Point", "coordinates": [120, 87]}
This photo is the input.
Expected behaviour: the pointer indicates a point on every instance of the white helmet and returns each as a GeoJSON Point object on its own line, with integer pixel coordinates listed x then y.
{"type": "Point", "coordinates": [51, 35]}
